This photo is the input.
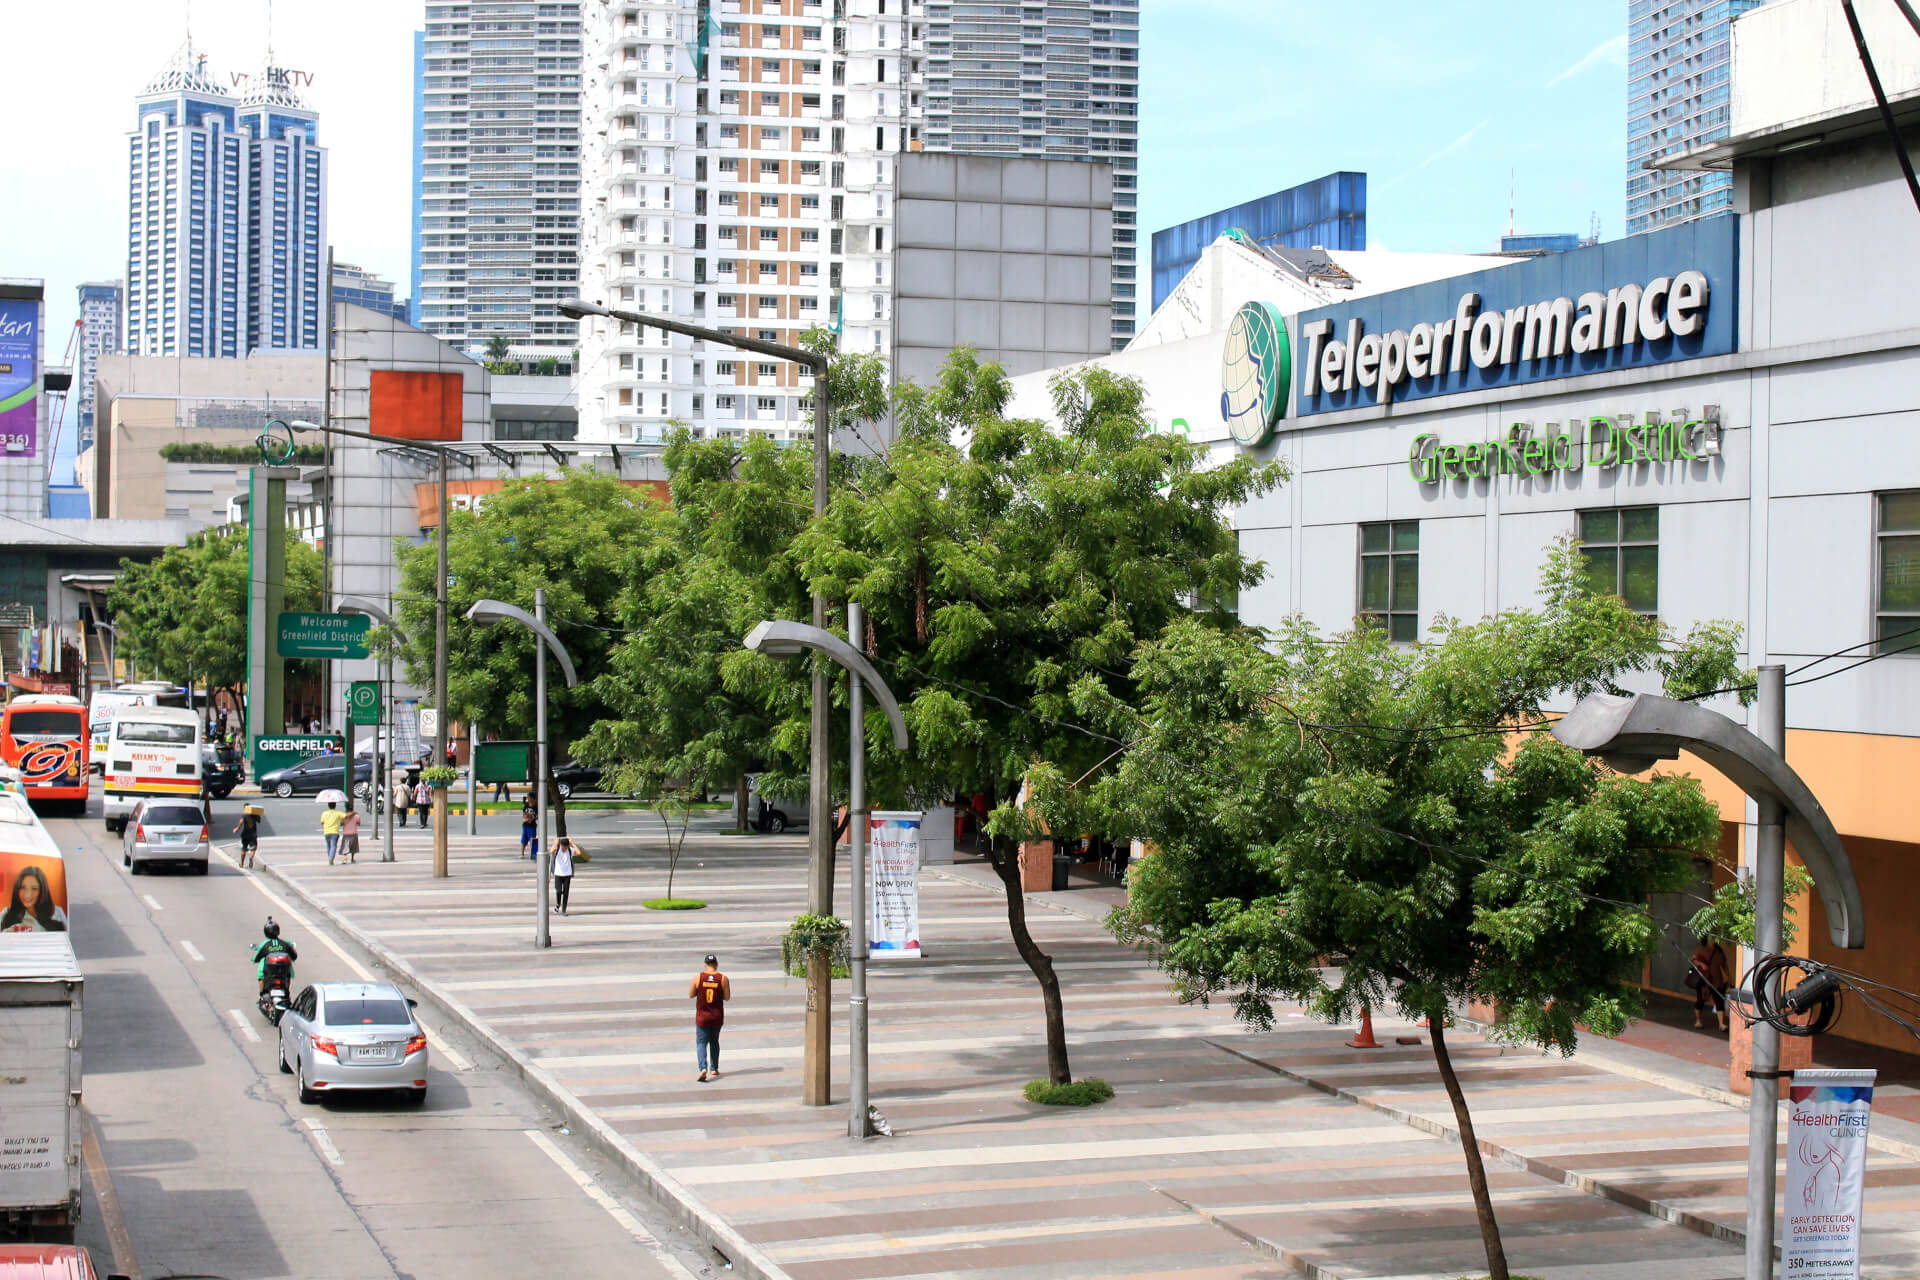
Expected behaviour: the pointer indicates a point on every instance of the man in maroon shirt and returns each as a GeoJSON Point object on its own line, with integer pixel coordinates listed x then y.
{"type": "Point", "coordinates": [709, 992]}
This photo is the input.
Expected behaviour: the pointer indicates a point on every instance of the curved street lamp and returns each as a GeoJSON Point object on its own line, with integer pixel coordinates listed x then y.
{"type": "Point", "coordinates": [486, 613]}
{"type": "Point", "coordinates": [780, 639]}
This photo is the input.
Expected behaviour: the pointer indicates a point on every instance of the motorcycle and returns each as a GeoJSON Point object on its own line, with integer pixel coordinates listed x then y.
{"type": "Point", "coordinates": [278, 982]}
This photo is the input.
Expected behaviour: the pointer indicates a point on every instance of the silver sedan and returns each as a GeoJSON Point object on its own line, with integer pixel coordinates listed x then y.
{"type": "Point", "coordinates": [339, 1036]}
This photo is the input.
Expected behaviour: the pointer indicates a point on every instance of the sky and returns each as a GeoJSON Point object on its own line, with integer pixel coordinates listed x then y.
{"type": "Point", "coordinates": [1443, 106]}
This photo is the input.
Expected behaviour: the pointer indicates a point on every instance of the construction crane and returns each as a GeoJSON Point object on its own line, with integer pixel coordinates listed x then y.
{"type": "Point", "coordinates": [58, 395]}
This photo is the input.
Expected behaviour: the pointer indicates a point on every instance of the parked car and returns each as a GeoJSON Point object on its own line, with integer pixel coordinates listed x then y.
{"type": "Point", "coordinates": [773, 814]}
{"type": "Point", "coordinates": [574, 776]}
{"type": "Point", "coordinates": [315, 774]}
{"type": "Point", "coordinates": [220, 771]}
{"type": "Point", "coordinates": [165, 830]}
{"type": "Point", "coordinates": [339, 1036]}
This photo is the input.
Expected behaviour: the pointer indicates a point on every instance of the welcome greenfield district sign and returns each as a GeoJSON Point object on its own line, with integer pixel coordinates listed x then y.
{"type": "Point", "coordinates": [323, 635]}
{"type": "Point", "coordinates": [1647, 300]}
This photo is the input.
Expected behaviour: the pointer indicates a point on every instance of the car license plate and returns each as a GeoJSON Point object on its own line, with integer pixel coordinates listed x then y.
{"type": "Point", "coordinates": [369, 1053]}
{"type": "Point", "coordinates": [173, 837]}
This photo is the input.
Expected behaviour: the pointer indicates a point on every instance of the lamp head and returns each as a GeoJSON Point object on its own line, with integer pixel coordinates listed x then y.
{"type": "Point", "coordinates": [760, 640]}
{"type": "Point", "coordinates": [578, 308]}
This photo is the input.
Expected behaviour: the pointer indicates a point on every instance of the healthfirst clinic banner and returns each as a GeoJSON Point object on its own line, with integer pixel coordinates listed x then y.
{"type": "Point", "coordinates": [893, 888]}
{"type": "Point", "coordinates": [1827, 1117]}
{"type": "Point", "coordinates": [19, 376]}
{"type": "Point", "coordinates": [1644, 301]}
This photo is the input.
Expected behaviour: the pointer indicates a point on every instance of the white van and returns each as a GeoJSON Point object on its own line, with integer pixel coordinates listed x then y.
{"type": "Point", "coordinates": [106, 704]}
{"type": "Point", "coordinates": [774, 814]}
{"type": "Point", "coordinates": [152, 751]}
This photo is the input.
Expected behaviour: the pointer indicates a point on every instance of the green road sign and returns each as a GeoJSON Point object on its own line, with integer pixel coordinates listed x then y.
{"type": "Point", "coordinates": [324, 635]}
{"type": "Point", "coordinates": [363, 702]}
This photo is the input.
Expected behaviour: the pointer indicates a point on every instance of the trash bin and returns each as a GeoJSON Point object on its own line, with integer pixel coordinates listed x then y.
{"type": "Point", "coordinates": [1062, 863]}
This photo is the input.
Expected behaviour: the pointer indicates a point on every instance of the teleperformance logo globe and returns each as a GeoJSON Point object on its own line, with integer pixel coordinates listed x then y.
{"type": "Point", "coordinates": [1256, 366]}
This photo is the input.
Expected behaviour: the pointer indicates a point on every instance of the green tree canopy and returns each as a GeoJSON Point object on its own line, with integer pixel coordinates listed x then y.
{"type": "Point", "coordinates": [1351, 798]}
{"type": "Point", "coordinates": [185, 611]}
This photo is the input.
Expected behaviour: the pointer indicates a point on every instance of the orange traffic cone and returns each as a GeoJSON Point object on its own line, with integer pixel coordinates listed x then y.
{"type": "Point", "coordinates": [1363, 1039]}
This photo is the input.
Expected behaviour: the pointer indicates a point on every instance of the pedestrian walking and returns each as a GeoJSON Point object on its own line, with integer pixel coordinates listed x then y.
{"type": "Point", "coordinates": [709, 992]}
{"type": "Point", "coordinates": [249, 829]}
{"type": "Point", "coordinates": [500, 792]}
{"type": "Point", "coordinates": [350, 836]}
{"type": "Point", "coordinates": [401, 787]}
{"type": "Point", "coordinates": [561, 863]}
{"type": "Point", "coordinates": [1709, 977]}
{"type": "Point", "coordinates": [423, 801]}
{"type": "Point", "coordinates": [330, 823]}
{"type": "Point", "coordinates": [529, 828]}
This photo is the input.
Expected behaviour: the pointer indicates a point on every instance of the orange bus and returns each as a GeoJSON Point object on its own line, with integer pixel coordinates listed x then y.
{"type": "Point", "coordinates": [44, 736]}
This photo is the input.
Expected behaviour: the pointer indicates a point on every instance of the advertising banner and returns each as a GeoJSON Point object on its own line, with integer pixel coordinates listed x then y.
{"type": "Point", "coordinates": [280, 750]}
{"type": "Point", "coordinates": [893, 884]}
{"type": "Point", "coordinates": [19, 377]}
{"type": "Point", "coordinates": [1827, 1117]}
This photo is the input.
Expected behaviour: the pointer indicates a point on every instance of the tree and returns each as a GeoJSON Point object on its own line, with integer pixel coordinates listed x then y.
{"type": "Point", "coordinates": [581, 536]}
{"type": "Point", "coordinates": [184, 613]}
{"type": "Point", "coordinates": [499, 355]}
{"type": "Point", "coordinates": [1005, 568]}
{"type": "Point", "coordinates": [546, 366]}
{"type": "Point", "coordinates": [1356, 799]}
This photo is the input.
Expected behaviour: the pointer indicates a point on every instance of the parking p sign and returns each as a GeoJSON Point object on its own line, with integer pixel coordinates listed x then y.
{"type": "Point", "coordinates": [363, 702]}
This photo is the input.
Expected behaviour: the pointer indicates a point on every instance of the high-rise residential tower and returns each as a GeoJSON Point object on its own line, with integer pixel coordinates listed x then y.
{"type": "Point", "coordinates": [101, 302]}
{"type": "Point", "coordinates": [1056, 79]}
{"type": "Point", "coordinates": [745, 171]}
{"type": "Point", "coordinates": [497, 141]}
{"type": "Point", "coordinates": [226, 214]}
{"type": "Point", "coordinates": [1679, 53]}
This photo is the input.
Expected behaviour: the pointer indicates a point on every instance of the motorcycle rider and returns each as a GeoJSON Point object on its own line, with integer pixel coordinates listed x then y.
{"type": "Point", "coordinates": [272, 944]}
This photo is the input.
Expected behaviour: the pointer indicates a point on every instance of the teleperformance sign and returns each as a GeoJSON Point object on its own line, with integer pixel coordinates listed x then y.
{"type": "Point", "coordinates": [1647, 300]}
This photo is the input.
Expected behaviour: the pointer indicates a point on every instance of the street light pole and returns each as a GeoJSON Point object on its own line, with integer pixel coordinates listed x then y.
{"type": "Point", "coordinates": [382, 754]}
{"type": "Point", "coordinates": [816, 1077]}
{"type": "Point", "coordinates": [1769, 875]}
{"type": "Point", "coordinates": [440, 682]}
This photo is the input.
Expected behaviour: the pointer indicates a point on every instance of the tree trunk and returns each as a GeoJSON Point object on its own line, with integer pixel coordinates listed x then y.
{"type": "Point", "coordinates": [1007, 867]}
{"type": "Point", "coordinates": [1476, 1170]}
{"type": "Point", "coordinates": [740, 804]}
{"type": "Point", "coordinates": [556, 804]}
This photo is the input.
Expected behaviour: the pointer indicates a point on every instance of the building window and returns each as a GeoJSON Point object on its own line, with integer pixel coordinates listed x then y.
{"type": "Point", "coordinates": [1622, 549]}
{"type": "Point", "coordinates": [1897, 612]}
{"type": "Point", "coordinates": [765, 404]}
{"type": "Point", "coordinates": [1390, 578]}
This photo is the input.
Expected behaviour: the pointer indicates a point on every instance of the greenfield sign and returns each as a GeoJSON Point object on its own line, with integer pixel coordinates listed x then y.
{"type": "Point", "coordinates": [1602, 441]}
{"type": "Point", "coordinates": [323, 635]}
{"type": "Point", "coordinates": [272, 752]}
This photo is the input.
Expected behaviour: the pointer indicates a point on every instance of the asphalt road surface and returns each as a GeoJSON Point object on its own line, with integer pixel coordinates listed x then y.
{"type": "Point", "coordinates": [215, 1169]}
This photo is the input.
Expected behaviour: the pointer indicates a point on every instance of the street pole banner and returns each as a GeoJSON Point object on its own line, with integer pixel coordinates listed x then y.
{"type": "Point", "coordinates": [1827, 1117]}
{"type": "Point", "coordinates": [893, 891]}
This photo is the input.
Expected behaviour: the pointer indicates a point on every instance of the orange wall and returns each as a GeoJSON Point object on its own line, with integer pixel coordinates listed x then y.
{"type": "Point", "coordinates": [413, 405]}
{"type": "Point", "coordinates": [1885, 870]}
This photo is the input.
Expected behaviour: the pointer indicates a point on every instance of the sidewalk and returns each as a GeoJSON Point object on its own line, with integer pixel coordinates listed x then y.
{"type": "Point", "coordinates": [1225, 1153]}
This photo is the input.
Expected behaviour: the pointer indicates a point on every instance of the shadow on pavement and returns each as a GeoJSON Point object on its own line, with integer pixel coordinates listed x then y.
{"type": "Point", "coordinates": [131, 1000]}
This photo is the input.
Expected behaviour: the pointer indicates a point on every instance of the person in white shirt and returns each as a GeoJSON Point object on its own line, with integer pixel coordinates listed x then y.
{"type": "Point", "coordinates": [560, 860]}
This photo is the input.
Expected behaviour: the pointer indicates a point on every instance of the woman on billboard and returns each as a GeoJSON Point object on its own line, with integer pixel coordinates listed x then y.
{"type": "Point", "coordinates": [32, 908]}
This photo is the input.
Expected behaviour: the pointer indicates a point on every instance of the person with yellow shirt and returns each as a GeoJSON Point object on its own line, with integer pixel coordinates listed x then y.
{"type": "Point", "coordinates": [330, 823]}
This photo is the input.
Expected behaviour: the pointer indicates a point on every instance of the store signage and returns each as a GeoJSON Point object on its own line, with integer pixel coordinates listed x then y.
{"type": "Point", "coordinates": [1648, 300]}
{"type": "Point", "coordinates": [1256, 367]}
{"type": "Point", "coordinates": [1600, 440]}
{"type": "Point", "coordinates": [19, 377]}
{"type": "Point", "coordinates": [1828, 1115]}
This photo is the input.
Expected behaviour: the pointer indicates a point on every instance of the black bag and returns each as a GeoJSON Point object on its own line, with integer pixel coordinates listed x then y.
{"type": "Point", "coordinates": [1693, 980]}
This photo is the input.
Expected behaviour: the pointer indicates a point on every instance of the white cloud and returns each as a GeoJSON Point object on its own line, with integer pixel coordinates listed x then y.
{"type": "Point", "coordinates": [1441, 154]}
{"type": "Point", "coordinates": [1609, 52]}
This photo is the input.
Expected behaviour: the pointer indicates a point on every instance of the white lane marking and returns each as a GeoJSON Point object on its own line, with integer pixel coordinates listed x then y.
{"type": "Point", "coordinates": [322, 1141]}
{"type": "Point", "coordinates": [246, 1027]}
{"type": "Point", "coordinates": [192, 951]}
{"type": "Point", "coordinates": [457, 1060]}
{"type": "Point", "coordinates": [153, 902]}
{"type": "Point", "coordinates": [615, 1210]}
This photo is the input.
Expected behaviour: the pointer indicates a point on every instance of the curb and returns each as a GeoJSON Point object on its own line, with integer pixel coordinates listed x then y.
{"type": "Point", "coordinates": [689, 1210]}
{"type": "Point", "coordinates": [1513, 1159]}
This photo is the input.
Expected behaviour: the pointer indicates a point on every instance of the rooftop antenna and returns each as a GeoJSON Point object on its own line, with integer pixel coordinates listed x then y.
{"type": "Point", "coordinates": [1509, 199]}
{"type": "Point", "coordinates": [269, 33]}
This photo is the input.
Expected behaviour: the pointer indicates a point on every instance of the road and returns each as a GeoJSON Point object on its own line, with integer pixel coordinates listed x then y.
{"type": "Point", "coordinates": [217, 1170]}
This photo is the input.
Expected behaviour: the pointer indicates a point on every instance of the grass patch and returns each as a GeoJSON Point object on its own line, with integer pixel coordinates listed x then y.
{"type": "Point", "coordinates": [1080, 1093]}
{"type": "Point", "coordinates": [673, 904]}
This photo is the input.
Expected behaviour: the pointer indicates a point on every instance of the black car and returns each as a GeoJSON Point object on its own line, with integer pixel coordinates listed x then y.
{"type": "Point", "coordinates": [315, 774]}
{"type": "Point", "coordinates": [574, 776]}
{"type": "Point", "coordinates": [221, 771]}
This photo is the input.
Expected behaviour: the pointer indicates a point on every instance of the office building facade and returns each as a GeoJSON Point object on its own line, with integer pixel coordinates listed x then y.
{"type": "Point", "coordinates": [1327, 213]}
{"type": "Point", "coordinates": [226, 214]}
{"type": "Point", "coordinates": [1679, 60]}
{"type": "Point", "coordinates": [363, 288]}
{"type": "Point", "coordinates": [101, 303]}
{"type": "Point", "coordinates": [497, 150]}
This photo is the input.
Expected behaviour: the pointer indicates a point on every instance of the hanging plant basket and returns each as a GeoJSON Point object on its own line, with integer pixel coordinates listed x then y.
{"type": "Point", "coordinates": [809, 935]}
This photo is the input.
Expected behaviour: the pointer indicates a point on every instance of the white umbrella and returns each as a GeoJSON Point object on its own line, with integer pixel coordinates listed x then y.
{"type": "Point", "coordinates": [332, 795]}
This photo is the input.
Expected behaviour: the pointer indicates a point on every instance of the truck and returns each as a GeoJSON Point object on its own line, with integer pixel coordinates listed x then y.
{"type": "Point", "coordinates": [40, 1133]}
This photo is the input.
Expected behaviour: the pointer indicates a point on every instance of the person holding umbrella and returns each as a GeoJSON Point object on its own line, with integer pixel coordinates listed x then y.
{"type": "Point", "coordinates": [331, 820]}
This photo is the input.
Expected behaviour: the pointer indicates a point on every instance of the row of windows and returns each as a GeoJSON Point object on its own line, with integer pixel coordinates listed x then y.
{"type": "Point", "coordinates": [1621, 549]}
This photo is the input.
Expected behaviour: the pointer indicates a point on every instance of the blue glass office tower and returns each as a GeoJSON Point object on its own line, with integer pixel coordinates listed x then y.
{"type": "Point", "coordinates": [1679, 56]}
{"type": "Point", "coordinates": [226, 214]}
{"type": "Point", "coordinates": [1330, 212]}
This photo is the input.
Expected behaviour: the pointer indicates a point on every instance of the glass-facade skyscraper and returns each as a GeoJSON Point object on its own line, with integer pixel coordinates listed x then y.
{"type": "Point", "coordinates": [496, 237]}
{"type": "Point", "coordinates": [1679, 58]}
{"type": "Point", "coordinates": [101, 302]}
{"type": "Point", "coordinates": [1056, 79]}
{"type": "Point", "coordinates": [226, 214]}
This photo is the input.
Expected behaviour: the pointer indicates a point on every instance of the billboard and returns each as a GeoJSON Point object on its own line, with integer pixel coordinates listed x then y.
{"type": "Point", "coordinates": [19, 377]}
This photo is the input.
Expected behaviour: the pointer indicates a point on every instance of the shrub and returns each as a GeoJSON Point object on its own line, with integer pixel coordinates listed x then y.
{"type": "Point", "coordinates": [673, 904]}
{"type": "Point", "coordinates": [1078, 1093]}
